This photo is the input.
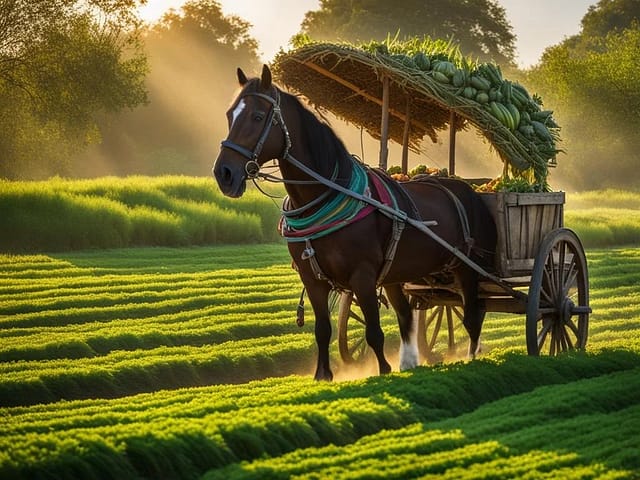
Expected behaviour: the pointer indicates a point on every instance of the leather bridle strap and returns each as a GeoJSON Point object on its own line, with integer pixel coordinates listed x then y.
{"type": "Point", "coordinates": [252, 167]}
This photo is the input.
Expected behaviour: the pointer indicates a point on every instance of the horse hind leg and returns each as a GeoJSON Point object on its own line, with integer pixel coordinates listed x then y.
{"type": "Point", "coordinates": [474, 311]}
{"type": "Point", "coordinates": [409, 356]}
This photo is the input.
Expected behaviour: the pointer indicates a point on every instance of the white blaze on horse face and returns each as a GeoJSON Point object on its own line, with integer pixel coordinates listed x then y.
{"type": "Point", "coordinates": [237, 111]}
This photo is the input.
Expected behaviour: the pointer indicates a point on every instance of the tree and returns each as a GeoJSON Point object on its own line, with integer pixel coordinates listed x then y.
{"type": "Point", "coordinates": [480, 27]}
{"type": "Point", "coordinates": [193, 55]}
{"type": "Point", "coordinates": [62, 64]}
{"type": "Point", "coordinates": [609, 16]}
{"type": "Point", "coordinates": [590, 81]}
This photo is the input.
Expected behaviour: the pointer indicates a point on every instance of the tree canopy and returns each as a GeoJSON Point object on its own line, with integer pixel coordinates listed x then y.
{"type": "Point", "coordinates": [63, 63]}
{"type": "Point", "coordinates": [609, 16]}
{"type": "Point", "coordinates": [193, 55]}
{"type": "Point", "coordinates": [591, 82]}
{"type": "Point", "coordinates": [480, 27]}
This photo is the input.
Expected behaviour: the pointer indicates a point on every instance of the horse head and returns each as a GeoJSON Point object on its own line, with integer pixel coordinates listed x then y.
{"type": "Point", "coordinates": [251, 140]}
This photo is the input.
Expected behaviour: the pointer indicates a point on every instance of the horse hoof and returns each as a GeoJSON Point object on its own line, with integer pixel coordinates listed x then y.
{"type": "Point", "coordinates": [475, 348]}
{"type": "Point", "coordinates": [384, 369]}
{"type": "Point", "coordinates": [323, 376]}
{"type": "Point", "coordinates": [408, 356]}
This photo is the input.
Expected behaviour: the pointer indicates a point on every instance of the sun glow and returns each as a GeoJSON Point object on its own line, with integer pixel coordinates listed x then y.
{"type": "Point", "coordinates": [154, 9]}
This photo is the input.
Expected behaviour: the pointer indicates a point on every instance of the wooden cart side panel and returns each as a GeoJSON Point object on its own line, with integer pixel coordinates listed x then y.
{"type": "Point", "coordinates": [522, 220]}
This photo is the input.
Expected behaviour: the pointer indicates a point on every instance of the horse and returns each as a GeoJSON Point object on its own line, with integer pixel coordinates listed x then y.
{"type": "Point", "coordinates": [373, 246]}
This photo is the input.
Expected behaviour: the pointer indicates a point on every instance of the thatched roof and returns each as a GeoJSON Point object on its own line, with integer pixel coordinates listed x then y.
{"type": "Point", "coordinates": [346, 81]}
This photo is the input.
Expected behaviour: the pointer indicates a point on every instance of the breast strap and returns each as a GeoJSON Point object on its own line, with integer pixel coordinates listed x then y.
{"type": "Point", "coordinates": [386, 195]}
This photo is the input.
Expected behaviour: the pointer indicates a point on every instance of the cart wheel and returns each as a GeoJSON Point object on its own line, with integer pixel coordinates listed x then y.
{"type": "Point", "coordinates": [430, 322]}
{"type": "Point", "coordinates": [352, 345]}
{"type": "Point", "coordinates": [558, 304]}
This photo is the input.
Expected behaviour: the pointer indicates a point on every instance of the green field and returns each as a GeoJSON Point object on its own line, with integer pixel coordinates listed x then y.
{"type": "Point", "coordinates": [63, 215]}
{"type": "Point", "coordinates": [187, 363]}
{"type": "Point", "coordinates": [66, 215]}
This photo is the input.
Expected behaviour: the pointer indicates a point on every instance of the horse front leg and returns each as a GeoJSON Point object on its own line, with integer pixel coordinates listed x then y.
{"type": "Point", "coordinates": [318, 293]}
{"type": "Point", "coordinates": [409, 357]}
{"type": "Point", "coordinates": [368, 302]}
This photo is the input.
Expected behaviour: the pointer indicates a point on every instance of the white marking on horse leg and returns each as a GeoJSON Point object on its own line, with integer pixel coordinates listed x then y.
{"type": "Point", "coordinates": [409, 350]}
{"type": "Point", "coordinates": [237, 111]}
{"type": "Point", "coordinates": [475, 348]}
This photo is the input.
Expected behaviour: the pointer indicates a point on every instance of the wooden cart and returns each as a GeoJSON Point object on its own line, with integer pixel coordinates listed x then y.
{"type": "Point", "coordinates": [541, 266]}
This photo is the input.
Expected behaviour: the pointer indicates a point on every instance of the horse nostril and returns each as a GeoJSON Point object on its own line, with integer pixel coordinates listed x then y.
{"type": "Point", "coordinates": [223, 174]}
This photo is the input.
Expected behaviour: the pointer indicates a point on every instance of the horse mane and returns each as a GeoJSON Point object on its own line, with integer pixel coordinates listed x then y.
{"type": "Point", "coordinates": [318, 138]}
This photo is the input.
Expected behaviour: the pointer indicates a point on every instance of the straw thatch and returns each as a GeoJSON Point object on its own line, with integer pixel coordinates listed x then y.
{"type": "Point", "coordinates": [346, 81]}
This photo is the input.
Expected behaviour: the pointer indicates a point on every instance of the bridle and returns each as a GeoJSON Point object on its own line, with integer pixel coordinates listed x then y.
{"type": "Point", "coordinates": [252, 167]}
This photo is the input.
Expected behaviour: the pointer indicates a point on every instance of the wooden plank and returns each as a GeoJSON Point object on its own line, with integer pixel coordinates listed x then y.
{"type": "Point", "coordinates": [505, 305]}
{"type": "Point", "coordinates": [452, 143]}
{"type": "Point", "coordinates": [359, 91]}
{"type": "Point", "coordinates": [550, 198]}
{"type": "Point", "coordinates": [405, 138]}
{"type": "Point", "coordinates": [384, 125]}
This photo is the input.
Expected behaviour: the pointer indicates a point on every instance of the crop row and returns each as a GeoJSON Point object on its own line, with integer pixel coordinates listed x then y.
{"type": "Point", "coordinates": [589, 419]}
{"type": "Point", "coordinates": [496, 406]}
{"type": "Point", "coordinates": [126, 372]}
{"type": "Point", "coordinates": [118, 332]}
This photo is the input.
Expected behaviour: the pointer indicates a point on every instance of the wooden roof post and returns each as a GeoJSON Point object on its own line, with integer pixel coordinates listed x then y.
{"type": "Point", "coordinates": [384, 125]}
{"type": "Point", "coordinates": [452, 143]}
{"type": "Point", "coordinates": [405, 138]}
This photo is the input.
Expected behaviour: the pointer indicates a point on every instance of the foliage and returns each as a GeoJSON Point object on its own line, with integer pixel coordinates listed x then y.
{"type": "Point", "coordinates": [480, 28]}
{"type": "Point", "coordinates": [59, 215]}
{"type": "Point", "coordinates": [610, 16]}
{"type": "Point", "coordinates": [178, 132]}
{"type": "Point", "coordinates": [590, 80]}
{"type": "Point", "coordinates": [63, 64]}
{"type": "Point", "coordinates": [432, 79]}
{"type": "Point", "coordinates": [146, 322]}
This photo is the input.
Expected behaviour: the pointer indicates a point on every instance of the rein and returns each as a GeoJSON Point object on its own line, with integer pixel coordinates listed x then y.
{"type": "Point", "coordinates": [252, 169]}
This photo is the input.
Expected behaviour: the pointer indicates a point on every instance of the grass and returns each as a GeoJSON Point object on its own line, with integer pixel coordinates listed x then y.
{"type": "Point", "coordinates": [182, 363]}
{"type": "Point", "coordinates": [605, 217]}
{"type": "Point", "coordinates": [65, 215]}
{"type": "Point", "coordinates": [161, 362]}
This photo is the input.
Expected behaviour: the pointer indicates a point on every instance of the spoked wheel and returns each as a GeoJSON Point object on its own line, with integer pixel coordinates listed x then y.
{"type": "Point", "coordinates": [352, 343]}
{"type": "Point", "coordinates": [431, 323]}
{"type": "Point", "coordinates": [558, 304]}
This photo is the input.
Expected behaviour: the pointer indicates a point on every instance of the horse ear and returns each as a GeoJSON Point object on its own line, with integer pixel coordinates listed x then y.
{"type": "Point", "coordinates": [265, 81]}
{"type": "Point", "coordinates": [242, 78]}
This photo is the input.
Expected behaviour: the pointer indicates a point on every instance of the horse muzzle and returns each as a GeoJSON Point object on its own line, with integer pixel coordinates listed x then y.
{"type": "Point", "coordinates": [231, 177]}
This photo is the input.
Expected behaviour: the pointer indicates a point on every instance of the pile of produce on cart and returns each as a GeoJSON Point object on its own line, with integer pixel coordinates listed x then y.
{"type": "Point", "coordinates": [432, 88]}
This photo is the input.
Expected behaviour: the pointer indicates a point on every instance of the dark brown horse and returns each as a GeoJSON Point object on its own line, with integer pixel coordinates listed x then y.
{"type": "Point", "coordinates": [266, 123]}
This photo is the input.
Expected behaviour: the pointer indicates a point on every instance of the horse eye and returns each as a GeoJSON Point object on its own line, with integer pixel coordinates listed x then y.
{"type": "Point", "coordinates": [258, 116]}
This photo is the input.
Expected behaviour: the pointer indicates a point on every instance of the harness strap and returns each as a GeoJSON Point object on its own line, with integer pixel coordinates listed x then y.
{"type": "Point", "coordinates": [384, 192]}
{"type": "Point", "coordinates": [387, 198]}
{"type": "Point", "coordinates": [460, 209]}
{"type": "Point", "coordinates": [309, 253]}
{"type": "Point", "coordinates": [423, 226]}
{"type": "Point", "coordinates": [392, 247]}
